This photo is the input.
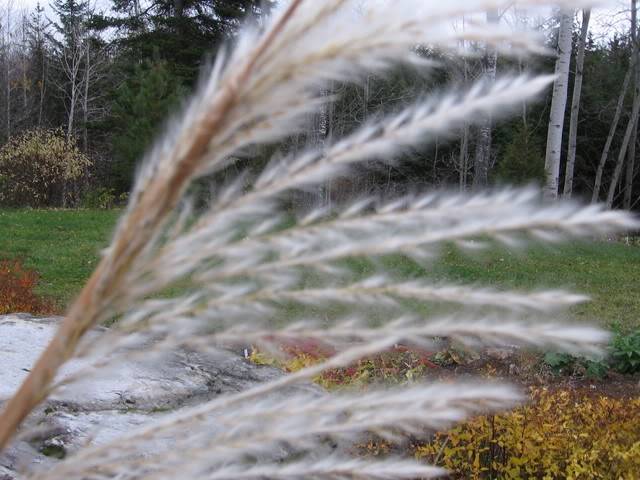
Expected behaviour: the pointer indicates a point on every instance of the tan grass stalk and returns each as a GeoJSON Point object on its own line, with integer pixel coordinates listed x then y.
{"type": "Point", "coordinates": [140, 224]}
{"type": "Point", "coordinates": [245, 259]}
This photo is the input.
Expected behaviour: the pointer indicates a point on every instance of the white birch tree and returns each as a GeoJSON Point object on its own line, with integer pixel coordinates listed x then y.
{"type": "Point", "coordinates": [558, 106]}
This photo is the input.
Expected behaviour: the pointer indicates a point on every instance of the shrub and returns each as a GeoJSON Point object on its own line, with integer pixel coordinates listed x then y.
{"type": "Point", "coordinates": [559, 361]}
{"type": "Point", "coordinates": [99, 198]}
{"type": "Point", "coordinates": [39, 168]}
{"type": "Point", "coordinates": [393, 366]}
{"type": "Point", "coordinates": [625, 351]}
{"type": "Point", "coordinates": [564, 363]}
{"type": "Point", "coordinates": [563, 434]}
{"type": "Point", "coordinates": [16, 290]}
{"type": "Point", "coordinates": [624, 357]}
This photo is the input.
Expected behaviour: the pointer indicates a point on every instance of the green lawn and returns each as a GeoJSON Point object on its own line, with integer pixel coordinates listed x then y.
{"type": "Point", "coordinates": [63, 246]}
{"type": "Point", "coordinates": [608, 272]}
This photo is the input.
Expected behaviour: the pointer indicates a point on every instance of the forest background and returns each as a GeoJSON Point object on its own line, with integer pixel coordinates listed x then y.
{"type": "Point", "coordinates": [103, 78]}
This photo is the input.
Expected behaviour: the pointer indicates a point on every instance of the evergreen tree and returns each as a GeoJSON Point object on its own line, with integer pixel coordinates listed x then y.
{"type": "Point", "coordinates": [39, 59]}
{"type": "Point", "coordinates": [139, 106]}
{"type": "Point", "coordinates": [522, 161]}
{"type": "Point", "coordinates": [72, 16]}
{"type": "Point", "coordinates": [180, 32]}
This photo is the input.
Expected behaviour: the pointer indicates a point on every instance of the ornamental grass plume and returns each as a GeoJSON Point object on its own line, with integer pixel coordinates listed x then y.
{"type": "Point", "coordinates": [241, 264]}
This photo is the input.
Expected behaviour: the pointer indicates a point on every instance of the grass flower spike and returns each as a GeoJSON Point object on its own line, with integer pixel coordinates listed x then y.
{"type": "Point", "coordinates": [245, 266]}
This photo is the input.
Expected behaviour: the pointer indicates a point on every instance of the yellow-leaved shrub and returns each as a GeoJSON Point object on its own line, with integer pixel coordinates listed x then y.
{"type": "Point", "coordinates": [559, 435]}
{"type": "Point", "coordinates": [38, 168]}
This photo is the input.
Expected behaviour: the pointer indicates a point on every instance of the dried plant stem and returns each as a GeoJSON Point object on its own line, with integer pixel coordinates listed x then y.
{"type": "Point", "coordinates": [138, 228]}
{"type": "Point", "coordinates": [246, 258]}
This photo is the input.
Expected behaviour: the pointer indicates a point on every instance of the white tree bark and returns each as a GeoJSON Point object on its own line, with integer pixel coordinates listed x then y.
{"type": "Point", "coordinates": [575, 105]}
{"type": "Point", "coordinates": [631, 160]}
{"type": "Point", "coordinates": [558, 106]}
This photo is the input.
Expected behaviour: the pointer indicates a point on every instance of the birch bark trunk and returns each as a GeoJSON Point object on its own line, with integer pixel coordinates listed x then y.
{"type": "Point", "coordinates": [558, 106]}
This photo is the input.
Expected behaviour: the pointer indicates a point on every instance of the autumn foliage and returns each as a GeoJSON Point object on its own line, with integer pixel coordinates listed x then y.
{"type": "Point", "coordinates": [16, 290]}
{"type": "Point", "coordinates": [560, 434]}
{"type": "Point", "coordinates": [563, 433]}
{"type": "Point", "coordinates": [38, 169]}
{"type": "Point", "coordinates": [397, 364]}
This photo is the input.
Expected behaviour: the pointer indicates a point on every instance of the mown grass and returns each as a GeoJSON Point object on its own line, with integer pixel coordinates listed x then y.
{"type": "Point", "coordinates": [606, 271]}
{"type": "Point", "coordinates": [63, 246]}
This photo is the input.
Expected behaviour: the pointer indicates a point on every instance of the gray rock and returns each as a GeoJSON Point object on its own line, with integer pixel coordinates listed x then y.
{"type": "Point", "coordinates": [503, 353]}
{"type": "Point", "coordinates": [103, 406]}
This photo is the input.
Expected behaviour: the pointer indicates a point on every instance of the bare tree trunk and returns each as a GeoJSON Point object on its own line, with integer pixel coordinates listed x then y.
{"type": "Point", "coordinates": [623, 150]}
{"type": "Point", "coordinates": [328, 134]}
{"type": "Point", "coordinates": [463, 159]}
{"type": "Point", "coordinates": [178, 6]}
{"type": "Point", "coordinates": [72, 110]}
{"type": "Point", "coordinates": [8, 68]}
{"type": "Point", "coordinates": [575, 105]}
{"type": "Point", "coordinates": [464, 156]}
{"type": "Point", "coordinates": [25, 89]}
{"type": "Point", "coordinates": [366, 93]}
{"type": "Point", "coordinates": [42, 90]}
{"type": "Point", "coordinates": [614, 126]}
{"type": "Point", "coordinates": [625, 145]}
{"type": "Point", "coordinates": [558, 106]}
{"type": "Point", "coordinates": [524, 103]}
{"type": "Point", "coordinates": [630, 172]}
{"type": "Point", "coordinates": [8, 98]}
{"type": "Point", "coordinates": [483, 145]}
{"type": "Point", "coordinates": [631, 160]}
{"type": "Point", "coordinates": [85, 100]}
{"type": "Point", "coordinates": [72, 63]}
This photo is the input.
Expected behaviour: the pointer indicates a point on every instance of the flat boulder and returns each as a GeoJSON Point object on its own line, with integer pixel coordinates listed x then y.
{"type": "Point", "coordinates": [105, 404]}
